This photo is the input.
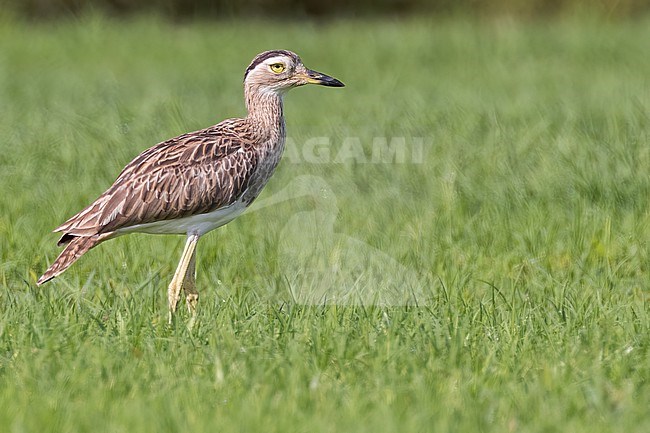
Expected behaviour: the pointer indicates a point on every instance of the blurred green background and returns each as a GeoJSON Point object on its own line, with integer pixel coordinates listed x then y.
{"type": "Point", "coordinates": [319, 8]}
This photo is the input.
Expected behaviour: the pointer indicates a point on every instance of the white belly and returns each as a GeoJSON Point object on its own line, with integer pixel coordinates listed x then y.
{"type": "Point", "coordinates": [195, 224]}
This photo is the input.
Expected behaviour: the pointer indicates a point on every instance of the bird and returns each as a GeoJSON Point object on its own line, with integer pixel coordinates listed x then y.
{"type": "Point", "coordinates": [198, 181]}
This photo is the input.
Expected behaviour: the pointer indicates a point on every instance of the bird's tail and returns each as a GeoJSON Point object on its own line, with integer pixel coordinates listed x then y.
{"type": "Point", "coordinates": [76, 247]}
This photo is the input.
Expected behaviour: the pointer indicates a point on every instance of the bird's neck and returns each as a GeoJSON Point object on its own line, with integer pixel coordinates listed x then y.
{"type": "Point", "coordinates": [265, 111]}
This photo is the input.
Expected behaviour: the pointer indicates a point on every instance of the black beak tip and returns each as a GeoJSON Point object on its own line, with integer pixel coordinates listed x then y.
{"type": "Point", "coordinates": [333, 82]}
{"type": "Point", "coordinates": [323, 80]}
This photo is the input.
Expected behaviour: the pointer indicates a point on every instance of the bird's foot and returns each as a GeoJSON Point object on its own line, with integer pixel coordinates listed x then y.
{"type": "Point", "coordinates": [192, 300]}
{"type": "Point", "coordinates": [173, 296]}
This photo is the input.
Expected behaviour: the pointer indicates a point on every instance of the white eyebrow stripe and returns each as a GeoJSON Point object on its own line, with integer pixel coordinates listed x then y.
{"type": "Point", "coordinates": [276, 59]}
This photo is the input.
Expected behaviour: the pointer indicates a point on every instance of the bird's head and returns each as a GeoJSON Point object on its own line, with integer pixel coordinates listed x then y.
{"type": "Point", "coordinates": [278, 71]}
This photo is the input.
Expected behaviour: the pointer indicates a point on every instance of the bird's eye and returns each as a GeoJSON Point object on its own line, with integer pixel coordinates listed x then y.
{"type": "Point", "coordinates": [278, 67]}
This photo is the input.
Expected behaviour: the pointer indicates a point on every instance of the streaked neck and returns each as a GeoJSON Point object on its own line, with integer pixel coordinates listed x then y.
{"type": "Point", "coordinates": [264, 108]}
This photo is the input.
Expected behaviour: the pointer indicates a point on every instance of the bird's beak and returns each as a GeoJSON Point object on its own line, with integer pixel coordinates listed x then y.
{"type": "Point", "coordinates": [314, 77]}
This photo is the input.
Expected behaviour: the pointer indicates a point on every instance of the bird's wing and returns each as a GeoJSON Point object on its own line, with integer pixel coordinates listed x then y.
{"type": "Point", "coordinates": [191, 174]}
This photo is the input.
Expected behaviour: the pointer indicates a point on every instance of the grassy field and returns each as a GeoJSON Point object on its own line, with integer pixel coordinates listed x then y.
{"type": "Point", "coordinates": [525, 221]}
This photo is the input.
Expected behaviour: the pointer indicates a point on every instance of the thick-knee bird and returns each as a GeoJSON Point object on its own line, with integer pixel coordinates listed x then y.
{"type": "Point", "coordinates": [198, 181]}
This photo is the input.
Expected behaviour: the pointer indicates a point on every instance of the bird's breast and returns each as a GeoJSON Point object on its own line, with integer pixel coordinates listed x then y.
{"type": "Point", "coordinates": [269, 158]}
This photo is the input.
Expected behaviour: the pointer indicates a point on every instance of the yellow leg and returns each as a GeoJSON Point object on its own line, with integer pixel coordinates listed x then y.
{"type": "Point", "coordinates": [181, 276]}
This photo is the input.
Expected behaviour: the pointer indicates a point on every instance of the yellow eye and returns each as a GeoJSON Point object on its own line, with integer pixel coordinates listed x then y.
{"type": "Point", "coordinates": [278, 67]}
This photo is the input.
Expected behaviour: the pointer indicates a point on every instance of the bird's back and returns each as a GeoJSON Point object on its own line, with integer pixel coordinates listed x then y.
{"type": "Point", "coordinates": [195, 173]}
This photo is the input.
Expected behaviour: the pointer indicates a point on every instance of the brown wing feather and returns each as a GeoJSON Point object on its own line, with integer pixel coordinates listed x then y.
{"type": "Point", "coordinates": [191, 174]}
{"type": "Point", "coordinates": [76, 247]}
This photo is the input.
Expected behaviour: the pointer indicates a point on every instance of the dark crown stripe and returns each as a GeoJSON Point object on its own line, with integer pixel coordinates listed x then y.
{"type": "Point", "coordinates": [267, 55]}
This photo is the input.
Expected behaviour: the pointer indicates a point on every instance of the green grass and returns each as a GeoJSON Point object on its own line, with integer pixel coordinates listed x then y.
{"type": "Point", "coordinates": [527, 221]}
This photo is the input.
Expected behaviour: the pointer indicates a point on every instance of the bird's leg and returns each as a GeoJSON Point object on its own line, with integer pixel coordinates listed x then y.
{"type": "Point", "coordinates": [189, 285]}
{"type": "Point", "coordinates": [180, 276]}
